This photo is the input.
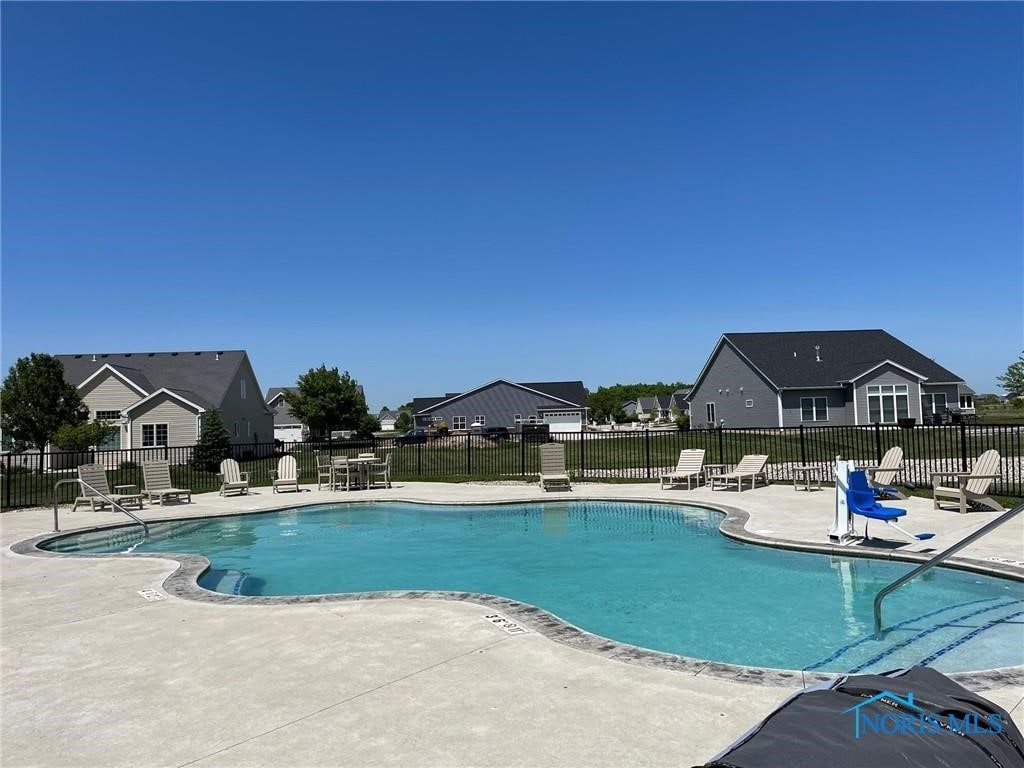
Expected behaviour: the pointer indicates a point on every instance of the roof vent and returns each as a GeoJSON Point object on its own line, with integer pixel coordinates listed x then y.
{"type": "Point", "coordinates": [217, 357]}
{"type": "Point", "coordinates": [817, 353]}
{"type": "Point", "coordinates": [794, 354]}
{"type": "Point", "coordinates": [94, 358]}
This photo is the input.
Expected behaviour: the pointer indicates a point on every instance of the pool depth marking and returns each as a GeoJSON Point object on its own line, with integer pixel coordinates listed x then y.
{"type": "Point", "coordinates": [505, 624]}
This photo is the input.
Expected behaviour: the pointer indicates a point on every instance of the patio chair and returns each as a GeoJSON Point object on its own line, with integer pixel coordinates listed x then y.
{"type": "Point", "coordinates": [92, 482]}
{"type": "Point", "coordinates": [753, 466]}
{"type": "Point", "coordinates": [973, 486]}
{"type": "Point", "coordinates": [552, 468]}
{"type": "Point", "coordinates": [882, 477]}
{"type": "Point", "coordinates": [286, 475]}
{"type": "Point", "coordinates": [382, 470]}
{"type": "Point", "coordinates": [232, 478]}
{"type": "Point", "coordinates": [860, 500]}
{"type": "Point", "coordinates": [156, 476]}
{"type": "Point", "coordinates": [324, 471]}
{"type": "Point", "coordinates": [350, 471]}
{"type": "Point", "coordinates": [690, 468]}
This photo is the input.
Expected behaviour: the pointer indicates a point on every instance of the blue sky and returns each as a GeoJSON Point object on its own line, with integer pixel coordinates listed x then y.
{"type": "Point", "coordinates": [434, 196]}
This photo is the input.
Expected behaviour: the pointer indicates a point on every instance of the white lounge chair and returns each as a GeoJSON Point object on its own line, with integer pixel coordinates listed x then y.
{"type": "Point", "coordinates": [286, 475]}
{"type": "Point", "coordinates": [882, 477]}
{"type": "Point", "coordinates": [552, 467]}
{"type": "Point", "coordinates": [690, 468]}
{"type": "Point", "coordinates": [156, 476]}
{"type": "Point", "coordinates": [972, 487]}
{"type": "Point", "coordinates": [232, 478]}
{"type": "Point", "coordinates": [750, 466]}
{"type": "Point", "coordinates": [92, 482]}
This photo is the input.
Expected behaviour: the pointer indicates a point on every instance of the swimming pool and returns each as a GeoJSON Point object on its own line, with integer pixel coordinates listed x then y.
{"type": "Point", "coordinates": [657, 576]}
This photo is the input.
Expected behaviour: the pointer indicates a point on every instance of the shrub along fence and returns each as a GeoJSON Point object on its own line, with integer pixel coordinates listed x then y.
{"type": "Point", "coordinates": [636, 455]}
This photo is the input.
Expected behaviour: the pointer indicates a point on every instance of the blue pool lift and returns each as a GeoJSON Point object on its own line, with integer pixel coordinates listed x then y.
{"type": "Point", "coordinates": [860, 500]}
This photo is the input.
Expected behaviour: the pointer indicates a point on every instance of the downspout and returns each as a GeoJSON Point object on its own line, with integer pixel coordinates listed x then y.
{"type": "Point", "coordinates": [779, 396]}
{"type": "Point", "coordinates": [853, 394]}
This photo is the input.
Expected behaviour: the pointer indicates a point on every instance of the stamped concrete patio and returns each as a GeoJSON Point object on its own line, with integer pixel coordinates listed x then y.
{"type": "Point", "coordinates": [94, 674]}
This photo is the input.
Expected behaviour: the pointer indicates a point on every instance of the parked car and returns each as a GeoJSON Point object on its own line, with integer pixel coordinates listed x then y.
{"type": "Point", "coordinates": [416, 436]}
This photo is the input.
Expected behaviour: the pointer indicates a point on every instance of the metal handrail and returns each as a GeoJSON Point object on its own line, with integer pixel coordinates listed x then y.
{"type": "Point", "coordinates": [113, 504]}
{"type": "Point", "coordinates": [970, 539]}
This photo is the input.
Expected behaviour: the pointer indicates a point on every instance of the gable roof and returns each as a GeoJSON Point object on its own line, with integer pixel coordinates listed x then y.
{"type": "Point", "coordinates": [386, 413]}
{"type": "Point", "coordinates": [569, 392]}
{"type": "Point", "coordinates": [275, 392]}
{"type": "Point", "coordinates": [201, 378]}
{"type": "Point", "coordinates": [790, 359]}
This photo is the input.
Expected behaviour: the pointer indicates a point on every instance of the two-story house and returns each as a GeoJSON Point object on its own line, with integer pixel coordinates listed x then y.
{"type": "Point", "coordinates": [159, 398]}
{"type": "Point", "coordinates": [822, 378]}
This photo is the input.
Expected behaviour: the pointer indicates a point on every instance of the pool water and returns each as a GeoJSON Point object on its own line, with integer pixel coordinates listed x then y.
{"type": "Point", "coordinates": [653, 575]}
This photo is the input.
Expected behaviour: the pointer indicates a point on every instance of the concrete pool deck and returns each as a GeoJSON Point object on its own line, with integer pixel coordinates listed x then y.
{"type": "Point", "coordinates": [95, 674]}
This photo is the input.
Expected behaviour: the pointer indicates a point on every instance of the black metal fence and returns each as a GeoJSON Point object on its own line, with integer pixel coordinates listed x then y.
{"type": "Point", "coordinates": [625, 455]}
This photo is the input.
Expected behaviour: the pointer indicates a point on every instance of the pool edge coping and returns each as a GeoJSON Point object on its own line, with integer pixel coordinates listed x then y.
{"type": "Point", "coordinates": [183, 584]}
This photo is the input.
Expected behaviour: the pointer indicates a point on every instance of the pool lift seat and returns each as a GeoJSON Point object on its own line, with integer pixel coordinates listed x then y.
{"type": "Point", "coordinates": [860, 500]}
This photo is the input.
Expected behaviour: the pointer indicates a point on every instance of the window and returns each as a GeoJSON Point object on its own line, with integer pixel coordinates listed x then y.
{"type": "Point", "coordinates": [236, 429]}
{"type": "Point", "coordinates": [517, 418]}
{"type": "Point", "coordinates": [887, 403]}
{"type": "Point", "coordinates": [458, 422]}
{"type": "Point", "coordinates": [966, 402]}
{"type": "Point", "coordinates": [242, 388]}
{"type": "Point", "coordinates": [154, 435]}
{"type": "Point", "coordinates": [748, 403]}
{"type": "Point", "coordinates": [709, 410]}
{"type": "Point", "coordinates": [481, 420]}
{"type": "Point", "coordinates": [108, 415]}
{"type": "Point", "coordinates": [933, 403]}
{"type": "Point", "coordinates": [813, 409]}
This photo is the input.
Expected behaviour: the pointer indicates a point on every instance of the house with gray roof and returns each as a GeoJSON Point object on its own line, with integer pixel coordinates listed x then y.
{"type": "Point", "coordinates": [288, 427]}
{"type": "Point", "coordinates": [562, 405]}
{"type": "Point", "coordinates": [159, 398]}
{"type": "Point", "coordinates": [822, 378]}
{"type": "Point", "coordinates": [387, 419]}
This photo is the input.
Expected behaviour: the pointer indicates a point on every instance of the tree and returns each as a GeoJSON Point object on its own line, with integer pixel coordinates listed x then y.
{"type": "Point", "coordinates": [214, 444]}
{"type": "Point", "coordinates": [326, 400]}
{"type": "Point", "coordinates": [36, 401]}
{"type": "Point", "coordinates": [82, 437]}
{"type": "Point", "coordinates": [1013, 380]}
{"type": "Point", "coordinates": [404, 421]}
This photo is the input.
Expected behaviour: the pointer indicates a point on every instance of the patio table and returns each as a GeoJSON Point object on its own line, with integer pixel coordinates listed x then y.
{"type": "Point", "coordinates": [809, 473]}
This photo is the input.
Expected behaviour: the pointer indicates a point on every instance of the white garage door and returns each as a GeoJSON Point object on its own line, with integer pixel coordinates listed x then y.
{"type": "Point", "coordinates": [564, 421]}
{"type": "Point", "coordinates": [288, 434]}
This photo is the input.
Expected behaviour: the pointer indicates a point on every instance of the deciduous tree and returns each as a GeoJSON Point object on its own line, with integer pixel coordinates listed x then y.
{"type": "Point", "coordinates": [1012, 381]}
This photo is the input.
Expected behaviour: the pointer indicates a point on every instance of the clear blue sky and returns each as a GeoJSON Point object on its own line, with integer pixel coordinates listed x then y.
{"type": "Point", "coordinates": [434, 196]}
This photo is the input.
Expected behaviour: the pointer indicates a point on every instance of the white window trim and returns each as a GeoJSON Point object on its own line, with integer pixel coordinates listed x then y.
{"type": "Point", "coordinates": [155, 444]}
{"type": "Point", "coordinates": [711, 412]}
{"type": "Point", "coordinates": [814, 409]}
{"type": "Point", "coordinates": [481, 420]}
{"type": "Point", "coordinates": [893, 393]}
{"type": "Point", "coordinates": [748, 403]}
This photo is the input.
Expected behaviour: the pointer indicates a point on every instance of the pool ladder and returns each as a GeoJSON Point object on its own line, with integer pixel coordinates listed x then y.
{"type": "Point", "coordinates": [967, 540]}
{"type": "Point", "coordinates": [113, 504]}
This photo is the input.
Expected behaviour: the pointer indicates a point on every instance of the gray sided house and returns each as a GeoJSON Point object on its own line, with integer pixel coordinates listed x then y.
{"type": "Point", "coordinates": [501, 403]}
{"type": "Point", "coordinates": [159, 398]}
{"type": "Point", "coordinates": [822, 378]}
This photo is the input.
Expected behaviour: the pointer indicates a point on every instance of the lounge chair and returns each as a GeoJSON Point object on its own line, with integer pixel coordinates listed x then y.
{"type": "Point", "coordinates": [690, 468]}
{"type": "Point", "coordinates": [552, 467]}
{"type": "Point", "coordinates": [286, 475]}
{"type": "Point", "coordinates": [860, 499]}
{"type": "Point", "coordinates": [231, 478]}
{"type": "Point", "coordinates": [882, 477]}
{"type": "Point", "coordinates": [753, 466]}
{"type": "Point", "coordinates": [382, 470]}
{"type": "Point", "coordinates": [92, 482]}
{"type": "Point", "coordinates": [973, 486]}
{"type": "Point", "coordinates": [157, 478]}
{"type": "Point", "coordinates": [324, 471]}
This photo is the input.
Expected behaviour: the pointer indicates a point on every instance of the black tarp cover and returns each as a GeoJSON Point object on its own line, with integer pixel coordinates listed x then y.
{"type": "Point", "coordinates": [815, 728]}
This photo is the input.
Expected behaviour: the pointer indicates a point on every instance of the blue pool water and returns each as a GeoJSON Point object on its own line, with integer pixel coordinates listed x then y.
{"type": "Point", "coordinates": [656, 576]}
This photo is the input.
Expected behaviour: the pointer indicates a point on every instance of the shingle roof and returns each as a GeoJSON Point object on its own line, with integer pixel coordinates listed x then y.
{"type": "Point", "coordinates": [275, 391]}
{"type": "Point", "coordinates": [789, 359]}
{"type": "Point", "coordinates": [571, 391]}
{"type": "Point", "coordinates": [201, 377]}
{"type": "Point", "coordinates": [387, 414]}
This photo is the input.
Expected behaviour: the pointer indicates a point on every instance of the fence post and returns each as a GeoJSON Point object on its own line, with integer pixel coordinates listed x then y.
{"type": "Point", "coordinates": [647, 451]}
{"type": "Point", "coordinates": [7, 482]}
{"type": "Point", "coordinates": [583, 453]}
{"type": "Point", "coordinates": [721, 450]}
{"type": "Point", "coordinates": [803, 448]}
{"type": "Point", "coordinates": [522, 453]}
{"type": "Point", "coordinates": [878, 443]}
{"type": "Point", "coordinates": [419, 460]}
{"type": "Point", "coordinates": [963, 447]}
{"type": "Point", "coordinates": [469, 455]}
